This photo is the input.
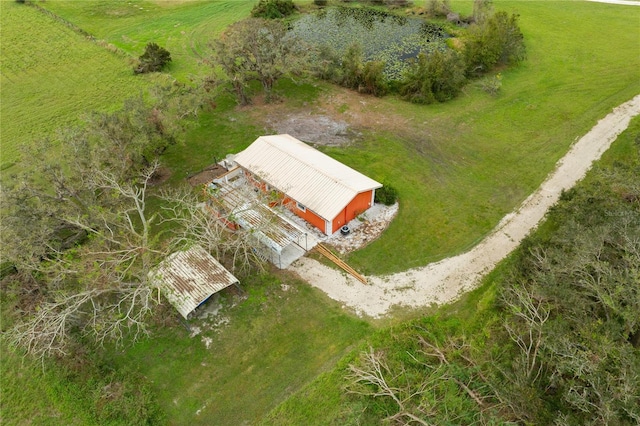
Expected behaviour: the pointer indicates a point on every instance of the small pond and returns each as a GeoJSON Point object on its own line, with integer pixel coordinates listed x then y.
{"type": "Point", "coordinates": [381, 35]}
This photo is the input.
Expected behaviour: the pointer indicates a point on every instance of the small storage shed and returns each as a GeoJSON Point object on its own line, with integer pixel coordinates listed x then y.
{"type": "Point", "coordinates": [319, 189]}
{"type": "Point", "coordinates": [188, 278]}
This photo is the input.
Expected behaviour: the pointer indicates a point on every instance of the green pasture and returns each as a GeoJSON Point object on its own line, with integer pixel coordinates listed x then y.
{"type": "Point", "coordinates": [283, 335]}
{"type": "Point", "coordinates": [461, 166]}
{"type": "Point", "coordinates": [50, 76]}
{"type": "Point", "coordinates": [184, 28]}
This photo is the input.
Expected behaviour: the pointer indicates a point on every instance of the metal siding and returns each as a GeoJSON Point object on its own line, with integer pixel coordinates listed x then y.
{"type": "Point", "coordinates": [305, 174]}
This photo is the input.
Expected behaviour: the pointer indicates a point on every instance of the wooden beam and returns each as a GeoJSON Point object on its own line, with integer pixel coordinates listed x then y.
{"type": "Point", "coordinates": [341, 263]}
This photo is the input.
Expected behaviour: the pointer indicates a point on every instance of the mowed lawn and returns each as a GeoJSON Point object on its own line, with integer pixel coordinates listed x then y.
{"type": "Point", "coordinates": [184, 27]}
{"type": "Point", "coordinates": [50, 76]}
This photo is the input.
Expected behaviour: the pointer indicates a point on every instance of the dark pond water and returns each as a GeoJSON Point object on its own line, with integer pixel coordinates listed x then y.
{"type": "Point", "coordinates": [382, 36]}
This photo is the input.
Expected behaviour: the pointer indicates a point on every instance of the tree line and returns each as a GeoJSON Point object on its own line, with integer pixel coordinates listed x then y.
{"type": "Point", "coordinates": [264, 50]}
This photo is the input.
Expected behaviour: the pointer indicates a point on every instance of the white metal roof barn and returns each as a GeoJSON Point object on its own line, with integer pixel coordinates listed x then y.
{"type": "Point", "coordinates": [305, 174]}
{"type": "Point", "coordinates": [188, 278]}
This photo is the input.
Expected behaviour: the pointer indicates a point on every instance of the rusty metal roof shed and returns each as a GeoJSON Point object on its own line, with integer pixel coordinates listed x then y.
{"type": "Point", "coordinates": [305, 174]}
{"type": "Point", "coordinates": [188, 278]}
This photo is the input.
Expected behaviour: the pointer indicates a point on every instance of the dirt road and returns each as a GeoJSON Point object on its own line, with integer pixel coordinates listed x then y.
{"type": "Point", "coordinates": [444, 281]}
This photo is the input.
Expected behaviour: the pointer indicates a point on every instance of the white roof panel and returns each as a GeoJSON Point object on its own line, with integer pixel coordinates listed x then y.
{"type": "Point", "coordinates": [305, 174]}
{"type": "Point", "coordinates": [188, 278]}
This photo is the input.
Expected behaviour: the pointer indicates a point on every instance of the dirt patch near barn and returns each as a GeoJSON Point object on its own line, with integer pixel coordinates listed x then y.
{"type": "Point", "coordinates": [336, 119]}
{"type": "Point", "coordinates": [314, 129]}
{"type": "Point", "coordinates": [206, 175]}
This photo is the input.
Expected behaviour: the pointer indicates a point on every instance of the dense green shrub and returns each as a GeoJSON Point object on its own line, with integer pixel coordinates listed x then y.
{"type": "Point", "coordinates": [386, 195]}
{"type": "Point", "coordinates": [153, 59]}
{"type": "Point", "coordinates": [373, 80]}
{"type": "Point", "coordinates": [366, 77]}
{"type": "Point", "coordinates": [435, 77]}
{"type": "Point", "coordinates": [273, 9]}
{"type": "Point", "coordinates": [495, 41]}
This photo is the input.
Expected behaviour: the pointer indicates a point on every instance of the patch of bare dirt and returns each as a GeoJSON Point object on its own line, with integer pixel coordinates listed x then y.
{"type": "Point", "coordinates": [315, 129]}
{"type": "Point", "coordinates": [207, 175]}
{"type": "Point", "coordinates": [335, 119]}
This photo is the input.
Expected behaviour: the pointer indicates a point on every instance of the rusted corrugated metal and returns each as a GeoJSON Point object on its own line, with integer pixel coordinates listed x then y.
{"type": "Point", "coordinates": [188, 278]}
{"type": "Point", "coordinates": [305, 174]}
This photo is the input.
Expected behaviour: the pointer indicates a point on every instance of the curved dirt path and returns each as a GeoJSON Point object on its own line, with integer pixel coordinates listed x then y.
{"type": "Point", "coordinates": [444, 281]}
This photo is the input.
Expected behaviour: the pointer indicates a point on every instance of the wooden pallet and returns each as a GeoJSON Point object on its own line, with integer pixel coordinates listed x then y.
{"type": "Point", "coordinates": [341, 263]}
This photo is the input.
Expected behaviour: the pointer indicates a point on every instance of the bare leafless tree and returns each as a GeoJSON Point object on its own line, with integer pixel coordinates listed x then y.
{"type": "Point", "coordinates": [373, 377]}
{"type": "Point", "coordinates": [198, 223]}
{"type": "Point", "coordinates": [532, 314]}
{"type": "Point", "coordinates": [102, 287]}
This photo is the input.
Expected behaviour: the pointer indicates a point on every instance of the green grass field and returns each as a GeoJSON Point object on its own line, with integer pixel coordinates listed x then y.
{"type": "Point", "coordinates": [51, 76]}
{"type": "Point", "coordinates": [467, 163]}
{"type": "Point", "coordinates": [185, 28]}
{"type": "Point", "coordinates": [480, 156]}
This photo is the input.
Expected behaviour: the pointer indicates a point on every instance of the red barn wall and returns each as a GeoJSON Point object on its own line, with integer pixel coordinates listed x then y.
{"type": "Point", "coordinates": [359, 204]}
{"type": "Point", "coordinates": [307, 215]}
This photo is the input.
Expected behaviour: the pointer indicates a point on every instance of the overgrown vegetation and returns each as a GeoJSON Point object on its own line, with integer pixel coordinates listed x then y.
{"type": "Point", "coordinates": [273, 9]}
{"type": "Point", "coordinates": [372, 50]}
{"type": "Point", "coordinates": [82, 238]}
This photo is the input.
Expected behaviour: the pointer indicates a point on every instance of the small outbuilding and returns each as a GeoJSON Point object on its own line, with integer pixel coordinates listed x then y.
{"type": "Point", "coordinates": [323, 191]}
{"type": "Point", "coordinates": [188, 278]}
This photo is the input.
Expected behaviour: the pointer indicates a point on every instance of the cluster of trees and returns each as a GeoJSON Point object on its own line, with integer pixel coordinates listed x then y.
{"type": "Point", "coordinates": [264, 51]}
{"type": "Point", "coordinates": [273, 9]}
{"type": "Point", "coordinates": [560, 345]}
{"type": "Point", "coordinates": [254, 50]}
{"type": "Point", "coordinates": [81, 236]}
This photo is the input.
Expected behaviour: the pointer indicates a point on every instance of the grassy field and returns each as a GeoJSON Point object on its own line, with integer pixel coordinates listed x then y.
{"type": "Point", "coordinates": [184, 28]}
{"type": "Point", "coordinates": [472, 160]}
{"type": "Point", "coordinates": [51, 76]}
{"type": "Point", "coordinates": [54, 75]}
{"type": "Point", "coordinates": [279, 338]}
{"type": "Point", "coordinates": [459, 168]}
